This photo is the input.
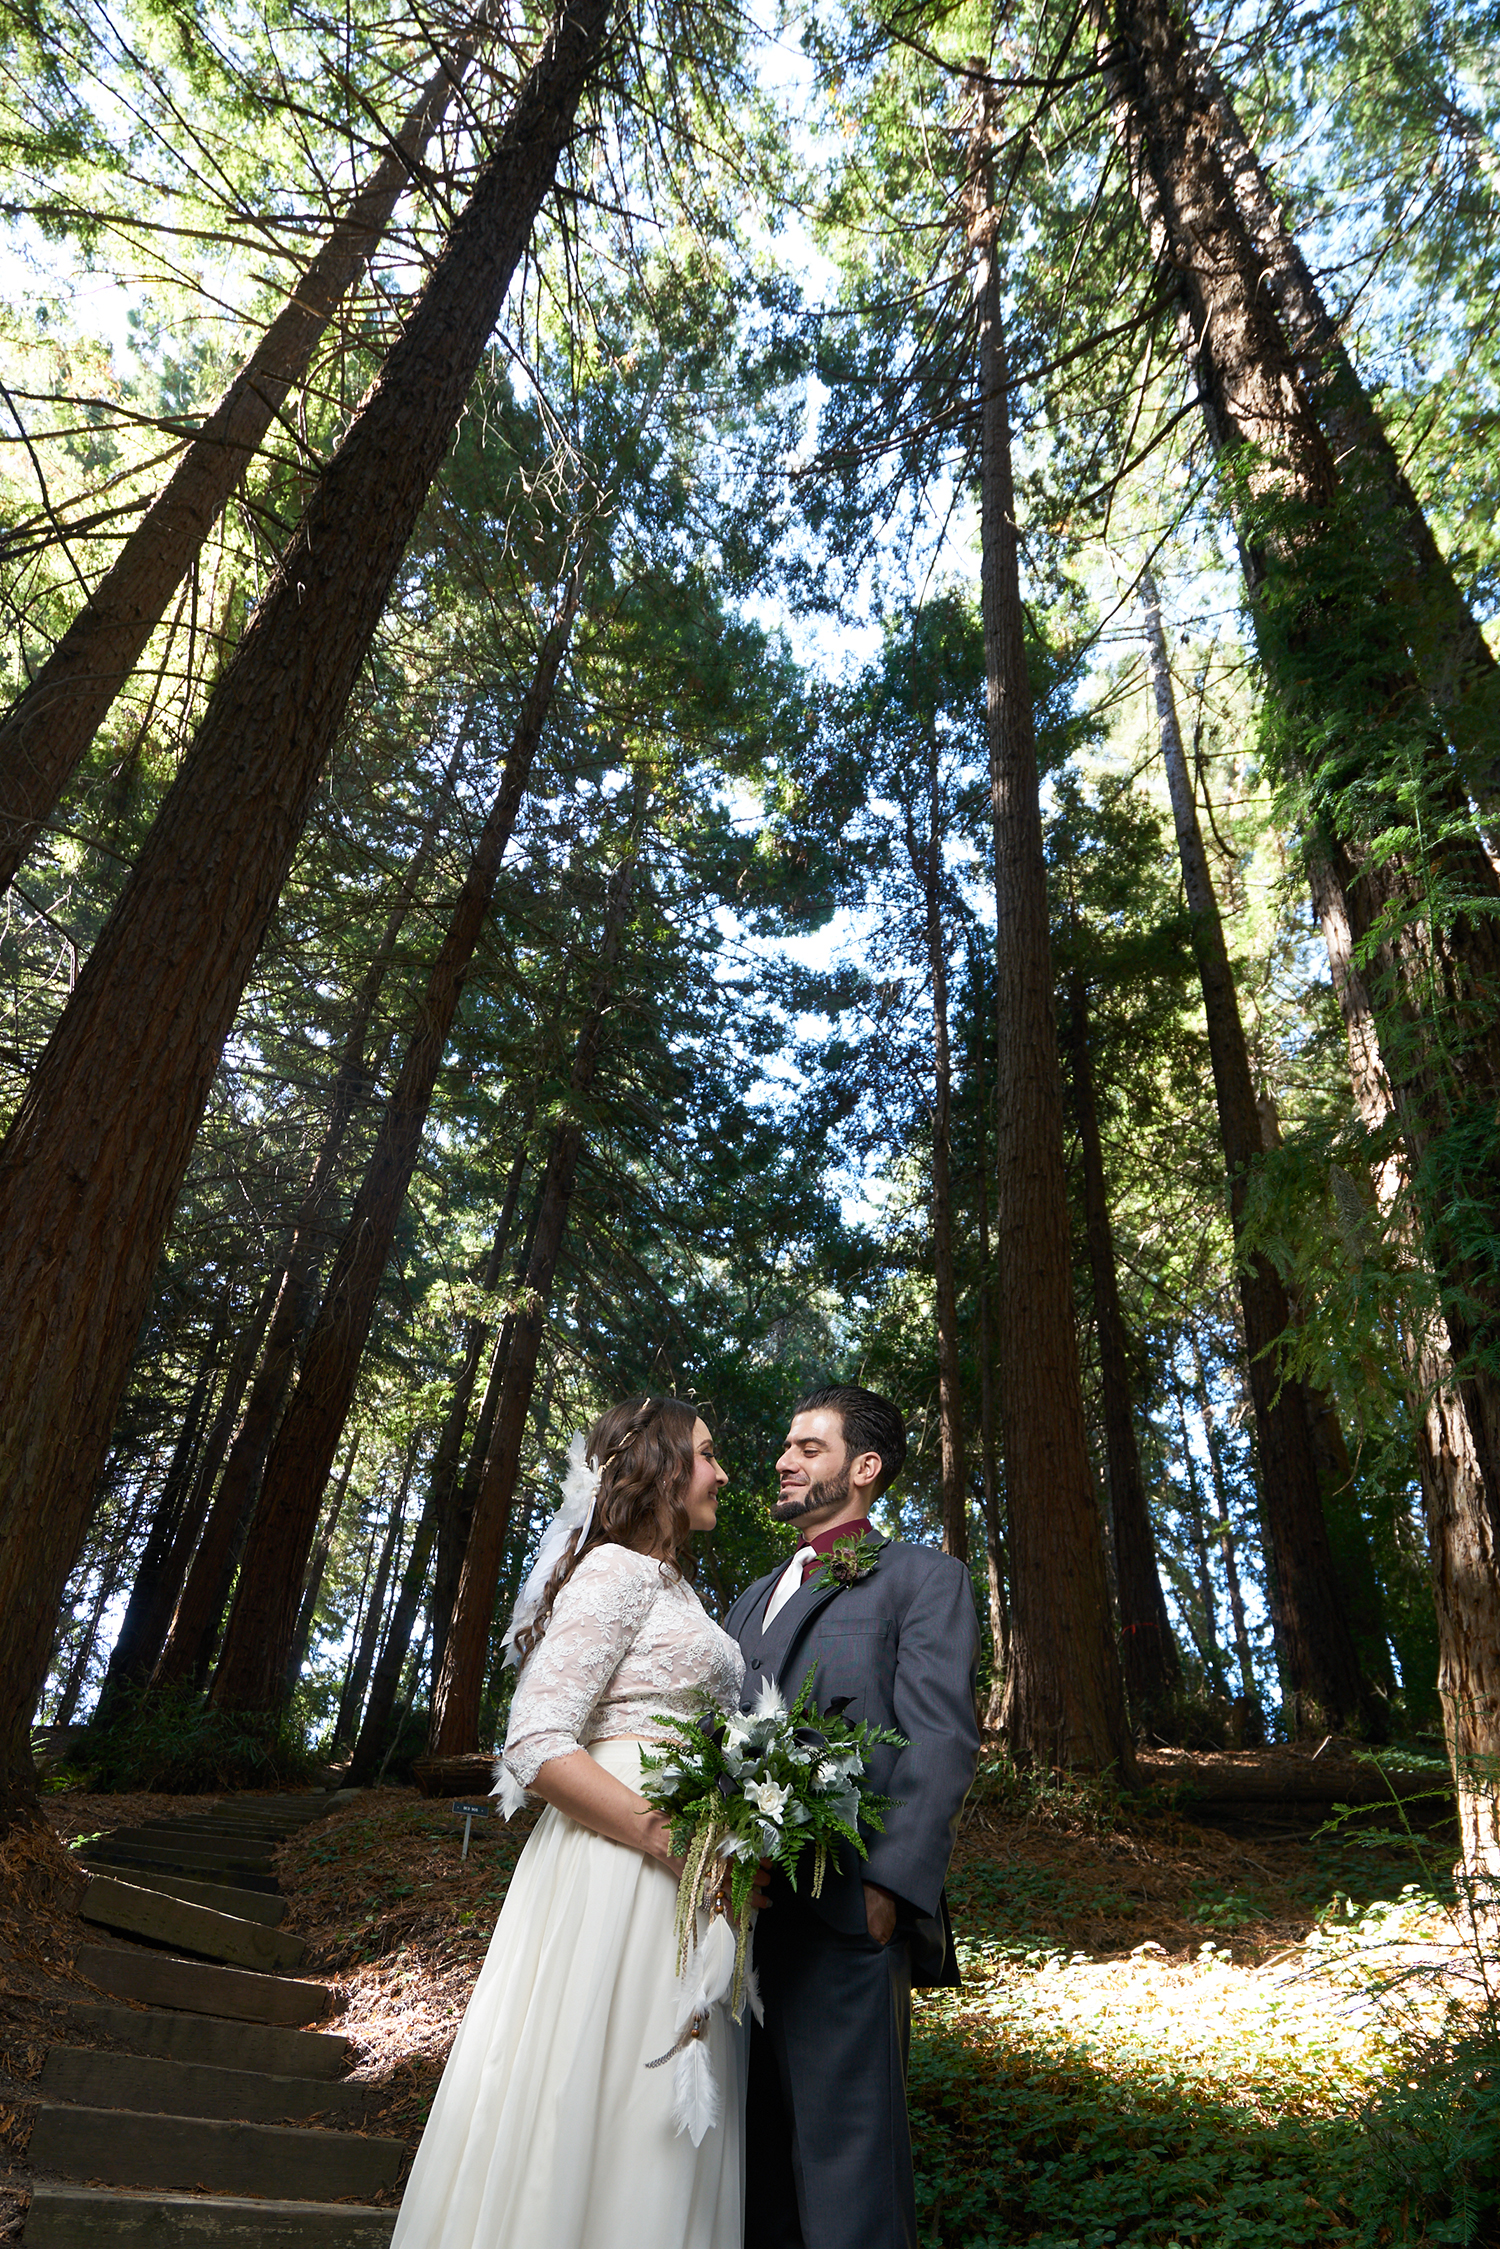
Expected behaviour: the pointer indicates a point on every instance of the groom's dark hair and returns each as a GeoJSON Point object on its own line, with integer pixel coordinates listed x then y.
{"type": "Point", "coordinates": [870, 1424]}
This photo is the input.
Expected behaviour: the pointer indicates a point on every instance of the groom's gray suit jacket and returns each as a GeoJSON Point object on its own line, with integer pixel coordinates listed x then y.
{"type": "Point", "coordinates": [899, 1648]}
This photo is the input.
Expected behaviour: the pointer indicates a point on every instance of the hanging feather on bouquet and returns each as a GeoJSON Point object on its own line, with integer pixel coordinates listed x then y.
{"type": "Point", "coordinates": [777, 1783]}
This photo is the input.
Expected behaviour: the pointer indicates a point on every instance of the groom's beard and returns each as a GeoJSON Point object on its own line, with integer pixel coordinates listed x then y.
{"type": "Point", "coordinates": [831, 1491]}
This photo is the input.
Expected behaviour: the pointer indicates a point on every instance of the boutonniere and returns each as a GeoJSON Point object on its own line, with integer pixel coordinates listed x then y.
{"type": "Point", "coordinates": [849, 1559]}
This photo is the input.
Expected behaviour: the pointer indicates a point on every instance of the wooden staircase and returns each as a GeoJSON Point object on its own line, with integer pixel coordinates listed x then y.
{"type": "Point", "coordinates": [208, 2111]}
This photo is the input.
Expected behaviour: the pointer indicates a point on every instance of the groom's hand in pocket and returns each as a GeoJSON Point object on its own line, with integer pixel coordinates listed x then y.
{"type": "Point", "coordinates": [880, 1913]}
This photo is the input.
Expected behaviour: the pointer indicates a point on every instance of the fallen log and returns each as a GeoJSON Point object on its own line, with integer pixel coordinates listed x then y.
{"type": "Point", "coordinates": [1293, 1776]}
{"type": "Point", "coordinates": [454, 1776]}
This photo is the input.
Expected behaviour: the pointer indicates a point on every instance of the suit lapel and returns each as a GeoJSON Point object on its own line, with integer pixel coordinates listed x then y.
{"type": "Point", "coordinates": [805, 1605]}
{"type": "Point", "coordinates": [743, 1622]}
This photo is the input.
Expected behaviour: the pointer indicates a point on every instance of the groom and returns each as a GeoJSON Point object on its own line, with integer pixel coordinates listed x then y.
{"type": "Point", "coordinates": [828, 2152]}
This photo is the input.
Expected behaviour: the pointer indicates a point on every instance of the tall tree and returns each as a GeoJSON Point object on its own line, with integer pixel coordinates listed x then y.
{"type": "Point", "coordinates": [149, 1608]}
{"type": "Point", "coordinates": [1387, 817]}
{"type": "Point", "coordinates": [1452, 656]}
{"type": "Point", "coordinates": [367, 1638]}
{"type": "Point", "coordinates": [49, 727]}
{"type": "Point", "coordinates": [264, 1617]}
{"type": "Point", "coordinates": [92, 1162]}
{"type": "Point", "coordinates": [926, 855]}
{"type": "Point", "coordinates": [189, 1648]}
{"type": "Point", "coordinates": [1064, 1703]}
{"type": "Point", "coordinates": [1148, 1652]}
{"type": "Point", "coordinates": [460, 1684]}
{"type": "Point", "coordinates": [1320, 1663]}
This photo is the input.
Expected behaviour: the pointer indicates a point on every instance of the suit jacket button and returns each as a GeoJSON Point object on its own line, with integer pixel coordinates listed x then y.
{"type": "Point", "coordinates": [755, 1663]}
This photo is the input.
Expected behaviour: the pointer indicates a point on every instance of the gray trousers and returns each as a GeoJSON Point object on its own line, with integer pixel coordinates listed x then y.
{"type": "Point", "coordinates": [827, 2145]}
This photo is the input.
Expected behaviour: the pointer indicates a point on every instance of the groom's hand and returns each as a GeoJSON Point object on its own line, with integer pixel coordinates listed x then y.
{"type": "Point", "coordinates": [880, 1913]}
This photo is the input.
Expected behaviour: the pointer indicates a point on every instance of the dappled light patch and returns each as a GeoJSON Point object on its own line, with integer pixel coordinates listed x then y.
{"type": "Point", "coordinates": [1165, 2036]}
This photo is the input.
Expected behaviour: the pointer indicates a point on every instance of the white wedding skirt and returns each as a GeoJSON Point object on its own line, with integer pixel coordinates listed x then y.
{"type": "Point", "coordinates": [548, 2131]}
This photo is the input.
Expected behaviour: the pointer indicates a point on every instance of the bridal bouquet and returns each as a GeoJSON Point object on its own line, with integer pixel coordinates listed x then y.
{"type": "Point", "coordinates": [769, 1783]}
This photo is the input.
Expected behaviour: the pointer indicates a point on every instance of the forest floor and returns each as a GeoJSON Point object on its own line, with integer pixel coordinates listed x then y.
{"type": "Point", "coordinates": [1168, 2034]}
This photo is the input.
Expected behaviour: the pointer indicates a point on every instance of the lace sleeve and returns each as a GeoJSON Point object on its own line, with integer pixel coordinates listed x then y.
{"type": "Point", "coordinates": [597, 1615]}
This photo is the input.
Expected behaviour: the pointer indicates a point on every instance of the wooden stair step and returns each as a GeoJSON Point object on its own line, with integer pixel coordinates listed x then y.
{"type": "Point", "coordinates": [161, 1981]}
{"type": "Point", "coordinates": [118, 2147]}
{"type": "Point", "coordinates": [258, 1857]}
{"type": "Point", "coordinates": [213, 1830]}
{"type": "Point", "coordinates": [189, 1928]}
{"type": "Point", "coordinates": [266, 1906]}
{"type": "Point", "coordinates": [72, 2217]}
{"type": "Point", "coordinates": [193, 2088]}
{"type": "Point", "coordinates": [169, 1859]}
{"type": "Point", "coordinates": [210, 2040]}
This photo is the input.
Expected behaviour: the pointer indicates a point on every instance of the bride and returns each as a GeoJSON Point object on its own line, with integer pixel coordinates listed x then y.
{"type": "Point", "coordinates": [548, 2130]}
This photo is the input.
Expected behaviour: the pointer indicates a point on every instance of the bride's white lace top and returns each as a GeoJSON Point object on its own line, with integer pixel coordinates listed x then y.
{"type": "Point", "coordinates": [628, 1642]}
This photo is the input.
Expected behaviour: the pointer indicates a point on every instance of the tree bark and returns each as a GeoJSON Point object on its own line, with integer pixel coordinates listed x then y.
{"type": "Point", "coordinates": [994, 1529]}
{"type": "Point", "coordinates": [460, 1685]}
{"type": "Point", "coordinates": [448, 1516]}
{"type": "Point", "coordinates": [1347, 689]}
{"type": "Point", "coordinates": [351, 1702]}
{"type": "Point", "coordinates": [385, 1685]}
{"type": "Point", "coordinates": [927, 866]}
{"type": "Point", "coordinates": [317, 1569]}
{"type": "Point", "coordinates": [195, 1630]}
{"type": "Point", "coordinates": [263, 1620]}
{"type": "Point", "coordinates": [458, 1514]}
{"type": "Point", "coordinates": [1462, 1545]}
{"type": "Point", "coordinates": [1064, 1703]}
{"type": "Point", "coordinates": [1224, 1529]}
{"type": "Point", "coordinates": [1148, 1652]}
{"type": "Point", "coordinates": [437, 1505]}
{"type": "Point", "coordinates": [1448, 647]}
{"type": "Point", "coordinates": [1208, 1639]}
{"type": "Point", "coordinates": [111, 1570]}
{"type": "Point", "coordinates": [1328, 1689]}
{"type": "Point", "coordinates": [149, 1609]}
{"type": "Point", "coordinates": [49, 727]}
{"type": "Point", "coordinates": [90, 1169]}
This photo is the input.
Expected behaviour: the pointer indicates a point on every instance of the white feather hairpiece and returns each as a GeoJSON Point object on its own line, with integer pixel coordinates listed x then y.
{"type": "Point", "coordinates": [579, 1492]}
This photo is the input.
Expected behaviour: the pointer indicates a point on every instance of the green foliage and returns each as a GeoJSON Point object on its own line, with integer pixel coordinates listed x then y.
{"type": "Point", "coordinates": [172, 1741]}
{"type": "Point", "coordinates": [1054, 2150]}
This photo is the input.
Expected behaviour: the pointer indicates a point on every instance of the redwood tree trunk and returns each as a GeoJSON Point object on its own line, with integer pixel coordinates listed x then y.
{"type": "Point", "coordinates": [386, 1683]}
{"type": "Point", "coordinates": [1064, 1704]}
{"type": "Point", "coordinates": [263, 1620]}
{"type": "Point", "coordinates": [443, 1475]}
{"type": "Point", "coordinates": [49, 727]}
{"type": "Point", "coordinates": [457, 1513]}
{"type": "Point", "coordinates": [1319, 1659]}
{"type": "Point", "coordinates": [1461, 1538]}
{"type": "Point", "coordinates": [90, 1169]}
{"type": "Point", "coordinates": [317, 1569]}
{"type": "Point", "coordinates": [195, 1629]}
{"type": "Point", "coordinates": [1361, 741]}
{"type": "Point", "coordinates": [1448, 647]}
{"type": "Point", "coordinates": [927, 866]}
{"type": "Point", "coordinates": [111, 1571]}
{"type": "Point", "coordinates": [197, 1513]}
{"type": "Point", "coordinates": [460, 1684]}
{"type": "Point", "coordinates": [1224, 1530]}
{"type": "Point", "coordinates": [149, 1609]}
{"type": "Point", "coordinates": [1148, 1652]}
{"type": "Point", "coordinates": [1206, 1638]}
{"type": "Point", "coordinates": [351, 1702]}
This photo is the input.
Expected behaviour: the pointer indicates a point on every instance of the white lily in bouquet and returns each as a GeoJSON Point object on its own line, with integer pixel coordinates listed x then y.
{"type": "Point", "coordinates": [773, 1783]}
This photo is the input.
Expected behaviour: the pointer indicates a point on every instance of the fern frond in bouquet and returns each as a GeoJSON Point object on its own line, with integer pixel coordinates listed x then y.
{"type": "Point", "coordinates": [773, 1783]}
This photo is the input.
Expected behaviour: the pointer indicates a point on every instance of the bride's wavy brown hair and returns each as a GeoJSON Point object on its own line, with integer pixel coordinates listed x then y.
{"type": "Point", "coordinates": [643, 1449]}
